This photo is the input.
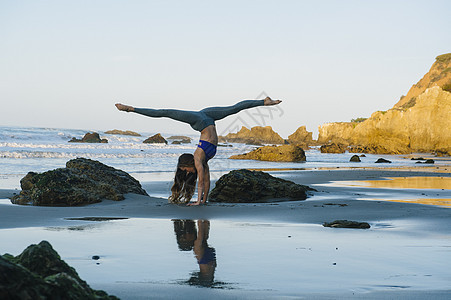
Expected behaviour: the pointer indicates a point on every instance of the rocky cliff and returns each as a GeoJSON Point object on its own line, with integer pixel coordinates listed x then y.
{"type": "Point", "coordinates": [419, 122]}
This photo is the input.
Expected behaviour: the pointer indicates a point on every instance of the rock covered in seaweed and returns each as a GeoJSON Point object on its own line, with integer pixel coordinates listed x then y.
{"type": "Point", "coordinates": [245, 186]}
{"type": "Point", "coordinates": [83, 181]}
{"type": "Point", "coordinates": [283, 153]}
{"type": "Point", "coordinates": [39, 273]}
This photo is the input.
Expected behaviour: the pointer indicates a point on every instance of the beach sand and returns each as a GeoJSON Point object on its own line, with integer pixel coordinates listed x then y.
{"type": "Point", "coordinates": [405, 254]}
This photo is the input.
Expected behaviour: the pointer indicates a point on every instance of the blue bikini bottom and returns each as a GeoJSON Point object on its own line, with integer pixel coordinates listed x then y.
{"type": "Point", "coordinates": [209, 148]}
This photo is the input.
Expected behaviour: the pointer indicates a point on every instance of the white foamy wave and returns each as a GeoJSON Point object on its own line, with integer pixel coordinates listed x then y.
{"type": "Point", "coordinates": [71, 155]}
{"type": "Point", "coordinates": [93, 146]}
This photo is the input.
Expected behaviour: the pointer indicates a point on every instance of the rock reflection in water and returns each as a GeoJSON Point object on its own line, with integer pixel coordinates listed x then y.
{"type": "Point", "coordinates": [191, 238]}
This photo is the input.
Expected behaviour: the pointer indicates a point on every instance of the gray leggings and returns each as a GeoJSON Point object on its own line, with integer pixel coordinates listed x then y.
{"type": "Point", "coordinates": [198, 120]}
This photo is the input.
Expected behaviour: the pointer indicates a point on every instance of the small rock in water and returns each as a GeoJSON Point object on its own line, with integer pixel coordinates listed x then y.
{"type": "Point", "coordinates": [383, 160]}
{"type": "Point", "coordinates": [95, 257]}
{"type": "Point", "coordinates": [355, 158]}
{"type": "Point", "coordinates": [347, 224]}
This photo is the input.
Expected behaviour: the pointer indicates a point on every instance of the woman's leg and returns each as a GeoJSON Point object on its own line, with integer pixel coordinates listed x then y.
{"type": "Point", "coordinates": [218, 113]}
{"type": "Point", "coordinates": [190, 117]}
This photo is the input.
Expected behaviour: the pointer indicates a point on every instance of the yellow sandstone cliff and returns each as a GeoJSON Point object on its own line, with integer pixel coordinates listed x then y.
{"type": "Point", "coordinates": [419, 122]}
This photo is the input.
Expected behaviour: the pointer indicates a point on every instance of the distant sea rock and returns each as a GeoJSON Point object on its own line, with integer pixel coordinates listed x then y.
{"type": "Point", "coordinates": [333, 148]}
{"type": "Point", "coordinates": [301, 137]}
{"type": "Point", "coordinates": [122, 132]}
{"type": "Point", "coordinates": [179, 139]}
{"type": "Point", "coordinates": [83, 181]}
{"type": "Point", "coordinates": [355, 158]}
{"type": "Point", "coordinates": [382, 161]}
{"type": "Point", "coordinates": [244, 186]}
{"type": "Point", "coordinates": [89, 138]}
{"type": "Point", "coordinates": [39, 273]}
{"type": "Point", "coordinates": [419, 122]}
{"type": "Point", "coordinates": [155, 139]}
{"type": "Point", "coordinates": [256, 135]}
{"type": "Point", "coordinates": [283, 153]}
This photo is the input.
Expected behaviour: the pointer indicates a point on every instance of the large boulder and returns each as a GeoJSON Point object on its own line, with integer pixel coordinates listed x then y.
{"type": "Point", "coordinates": [40, 273]}
{"type": "Point", "coordinates": [122, 132]}
{"type": "Point", "coordinates": [89, 138]}
{"type": "Point", "coordinates": [245, 186]}
{"type": "Point", "coordinates": [283, 153]}
{"type": "Point", "coordinates": [83, 181]}
{"type": "Point", "coordinates": [155, 139]}
{"type": "Point", "coordinates": [256, 135]}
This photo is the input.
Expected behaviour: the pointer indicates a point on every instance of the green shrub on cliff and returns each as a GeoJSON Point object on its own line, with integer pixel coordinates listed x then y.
{"type": "Point", "coordinates": [358, 120]}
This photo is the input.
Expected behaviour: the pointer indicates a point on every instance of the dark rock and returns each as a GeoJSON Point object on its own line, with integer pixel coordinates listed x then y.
{"type": "Point", "coordinates": [95, 257]}
{"type": "Point", "coordinates": [382, 161]}
{"type": "Point", "coordinates": [39, 273]}
{"type": "Point", "coordinates": [355, 158]}
{"type": "Point", "coordinates": [333, 148]}
{"type": "Point", "coordinates": [286, 153]}
{"type": "Point", "coordinates": [362, 155]}
{"type": "Point", "coordinates": [374, 149]}
{"type": "Point", "coordinates": [427, 161]}
{"type": "Point", "coordinates": [442, 152]}
{"type": "Point", "coordinates": [225, 145]}
{"type": "Point", "coordinates": [244, 186]}
{"type": "Point", "coordinates": [417, 158]}
{"type": "Point", "coordinates": [83, 181]}
{"type": "Point", "coordinates": [155, 139]}
{"type": "Point", "coordinates": [89, 138]}
{"type": "Point", "coordinates": [347, 224]}
{"type": "Point", "coordinates": [183, 141]}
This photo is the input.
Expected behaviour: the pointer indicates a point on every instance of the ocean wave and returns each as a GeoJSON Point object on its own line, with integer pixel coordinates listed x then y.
{"type": "Point", "coordinates": [139, 146]}
{"type": "Point", "coordinates": [71, 155]}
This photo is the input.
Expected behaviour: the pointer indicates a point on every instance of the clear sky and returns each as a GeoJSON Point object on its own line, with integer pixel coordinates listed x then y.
{"type": "Point", "coordinates": [64, 64]}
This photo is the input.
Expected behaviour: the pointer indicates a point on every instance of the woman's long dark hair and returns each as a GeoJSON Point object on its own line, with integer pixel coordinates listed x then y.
{"type": "Point", "coordinates": [184, 182]}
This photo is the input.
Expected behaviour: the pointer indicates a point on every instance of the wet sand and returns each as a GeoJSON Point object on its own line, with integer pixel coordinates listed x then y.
{"type": "Point", "coordinates": [379, 206]}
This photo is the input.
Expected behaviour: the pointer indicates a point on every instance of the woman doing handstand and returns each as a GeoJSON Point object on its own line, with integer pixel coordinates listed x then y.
{"type": "Point", "coordinates": [189, 166]}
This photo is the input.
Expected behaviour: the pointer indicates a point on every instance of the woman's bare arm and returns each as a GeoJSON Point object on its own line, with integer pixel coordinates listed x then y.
{"type": "Point", "coordinates": [206, 185]}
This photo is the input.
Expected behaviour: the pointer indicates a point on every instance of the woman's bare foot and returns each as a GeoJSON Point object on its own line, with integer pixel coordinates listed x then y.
{"type": "Point", "coordinates": [269, 101]}
{"type": "Point", "coordinates": [123, 107]}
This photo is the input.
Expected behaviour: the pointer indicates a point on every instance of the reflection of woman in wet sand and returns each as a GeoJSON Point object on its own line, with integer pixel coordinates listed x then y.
{"type": "Point", "coordinates": [187, 239]}
{"type": "Point", "coordinates": [189, 166]}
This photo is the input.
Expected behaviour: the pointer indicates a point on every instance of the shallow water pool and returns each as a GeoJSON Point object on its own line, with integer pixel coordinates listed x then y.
{"type": "Point", "coordinates": [278, 258]}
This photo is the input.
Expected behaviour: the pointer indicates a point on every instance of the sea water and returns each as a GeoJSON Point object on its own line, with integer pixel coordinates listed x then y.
{"type": "Point", "coordinates": [25, 149]}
